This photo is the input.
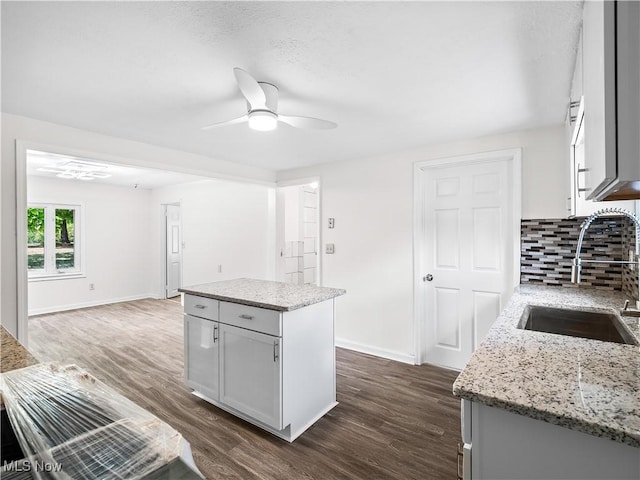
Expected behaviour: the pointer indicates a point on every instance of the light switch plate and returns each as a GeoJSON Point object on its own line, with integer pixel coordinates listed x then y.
{"type": "Point", "coordinates": [332, 223]}
{"type": "Point", "coordinates": [330, 248]}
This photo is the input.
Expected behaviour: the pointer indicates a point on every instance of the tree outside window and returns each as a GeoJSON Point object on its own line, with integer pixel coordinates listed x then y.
{"type": "Point", "coordinates": [52, 240]}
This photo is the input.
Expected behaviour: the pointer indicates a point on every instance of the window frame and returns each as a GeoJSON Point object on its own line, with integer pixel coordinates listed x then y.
{"type": "Point", "coordinates": [50, 272]}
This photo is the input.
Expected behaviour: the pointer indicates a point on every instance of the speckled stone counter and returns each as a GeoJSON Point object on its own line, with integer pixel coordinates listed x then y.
{"type": "Point", "coordinates": [279, 296]}
{"type": "Point", "coordinates": [581, 384]}
{"type": "Point", "coordinates": [12, 354]}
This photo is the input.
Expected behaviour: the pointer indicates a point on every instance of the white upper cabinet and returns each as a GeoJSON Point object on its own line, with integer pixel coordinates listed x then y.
{"type": "Point", "coordinates": [611, 82]}
{"type": "Point", "coordinates": [597, 137]}
{"type": "Point", "coordinates": [628, 94]}
{"type": "Point", "coordinates": [599, 94]}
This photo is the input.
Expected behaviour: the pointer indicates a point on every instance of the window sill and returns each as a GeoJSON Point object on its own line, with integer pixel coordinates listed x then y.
{"type": "Point", "coordinates": [59, 276]}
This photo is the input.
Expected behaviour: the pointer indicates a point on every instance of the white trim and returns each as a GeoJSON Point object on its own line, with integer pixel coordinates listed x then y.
{"type": "Point", "coordinates": [513, 155]}
{"type": "Point", "coordinates": [22, 282]}
{"type": "Point", "coordinates": [517, 213]}
{"type": "Point", "coordinates": [378, 352]}
{"type": "Point", "coordinates": [94, 303]}
{"type": "Point", "coordinates": [56, 276]}
{"type": "Point", "coordinates": [163, 250]}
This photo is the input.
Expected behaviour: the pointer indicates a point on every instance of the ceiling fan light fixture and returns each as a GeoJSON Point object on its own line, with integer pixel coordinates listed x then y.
{"type": "Point", "coordinates": [263, 120]}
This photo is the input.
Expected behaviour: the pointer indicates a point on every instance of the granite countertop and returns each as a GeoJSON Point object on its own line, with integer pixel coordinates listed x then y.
{"type": "Point", "coordinates": [585, 385]}
{"type": "Point", "coordinates": [12, 354]}
{"type": "Point", "coordinates": [264, 294]}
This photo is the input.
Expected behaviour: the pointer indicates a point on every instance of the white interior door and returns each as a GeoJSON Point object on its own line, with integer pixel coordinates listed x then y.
{"type": "Point", "coordinates": [173, 251]}
{"type": "Point", "coordinates": [467, 248]}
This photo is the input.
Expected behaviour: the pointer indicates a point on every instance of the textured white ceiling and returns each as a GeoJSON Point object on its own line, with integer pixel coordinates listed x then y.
{"type": "Point", "coordinates": [393, 75]}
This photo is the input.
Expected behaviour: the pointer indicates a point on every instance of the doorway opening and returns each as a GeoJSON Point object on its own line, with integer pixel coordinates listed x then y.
{"type": "Point", "coordinates": [298, 232]}
{"type": "Point", "coordinates": [85, 230]}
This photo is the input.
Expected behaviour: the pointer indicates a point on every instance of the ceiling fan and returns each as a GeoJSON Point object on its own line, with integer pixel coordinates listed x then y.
{"type": "Point", "coordinates": [262, 104]}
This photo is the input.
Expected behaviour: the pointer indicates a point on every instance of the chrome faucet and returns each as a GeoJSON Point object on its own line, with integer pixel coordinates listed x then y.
{"type": "Point", "coordinates": [576, 267]}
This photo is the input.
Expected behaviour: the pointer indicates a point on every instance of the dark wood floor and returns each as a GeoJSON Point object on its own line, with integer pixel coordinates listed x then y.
{"type": "Point", "coordinates": [394, 421]}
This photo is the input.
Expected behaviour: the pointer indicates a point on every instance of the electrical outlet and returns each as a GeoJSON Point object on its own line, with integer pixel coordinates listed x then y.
{"type": "Point", "coordinates": [332, 223]}
{"type": "Point", "coordinates": [632, 258]}
{"type": "Point", "coordinates": [92, 286]}
{"type": "Point", "coordinates": [330, 248]}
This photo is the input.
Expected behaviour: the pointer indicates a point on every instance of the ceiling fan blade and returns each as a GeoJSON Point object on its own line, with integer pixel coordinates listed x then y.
{"type": "Point", "coordinates": [250, 89]}
{"type": "Point", "coordinates": [307, 122]}
{"type": "Point", "coordinates": [241, 119]}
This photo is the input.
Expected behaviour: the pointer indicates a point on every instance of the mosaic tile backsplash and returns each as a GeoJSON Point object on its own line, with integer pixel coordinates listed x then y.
{"type": "Point", "coordinates": [548, 246]}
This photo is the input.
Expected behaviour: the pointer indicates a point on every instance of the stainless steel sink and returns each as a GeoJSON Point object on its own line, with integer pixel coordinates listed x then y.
{"type": "Point", "coordinates": [593, 324]}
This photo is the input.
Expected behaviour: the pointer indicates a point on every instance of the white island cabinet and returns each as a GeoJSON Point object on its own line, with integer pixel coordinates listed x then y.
{"type": "Point", "coordinates": [263, 351]}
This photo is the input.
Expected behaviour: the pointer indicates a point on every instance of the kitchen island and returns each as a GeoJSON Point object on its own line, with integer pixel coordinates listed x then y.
{"type": "Point", "coordinates": [540, 405]}
{"type": "Point", "coordinates": [263, 351]}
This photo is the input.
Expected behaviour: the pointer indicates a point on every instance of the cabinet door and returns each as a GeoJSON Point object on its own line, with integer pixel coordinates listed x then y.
{"type": "Point", "coordinates": [580, 206]}
{"type": "Point", "coordinates": [251, 374]}
{"type": "Point", "coordinates": [201, 340]}
{"type": "Point", "coordinates": [599, 95]}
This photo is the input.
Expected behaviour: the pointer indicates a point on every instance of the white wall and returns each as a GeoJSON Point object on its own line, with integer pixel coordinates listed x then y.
{"type": "Point", "coordinates": [87, 143]}
{"type": "Point", "coordinates": [372, 202]}
{"type": "Point", "coordinates": [115, 227]}
{"type": "Point", "coordinates": [223, 223]}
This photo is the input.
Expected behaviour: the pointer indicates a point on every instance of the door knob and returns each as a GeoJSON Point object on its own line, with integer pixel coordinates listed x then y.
{"type": "Point", "coordinates": [427, 278]}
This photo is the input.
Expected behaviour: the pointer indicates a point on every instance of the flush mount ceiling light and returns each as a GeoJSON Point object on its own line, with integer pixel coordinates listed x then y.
{"type": "Point", "coordinates": [78, 170]}
{"type": "Point", "coordinates": [73, 174]}
{"type": "Point", "coordinates": [262, 106]}
{"type": "Point", "coordinates": [82, 175]}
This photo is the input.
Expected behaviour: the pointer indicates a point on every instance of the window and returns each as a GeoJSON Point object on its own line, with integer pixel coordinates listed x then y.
{"type": "Point", "coordinates": [53, 240]}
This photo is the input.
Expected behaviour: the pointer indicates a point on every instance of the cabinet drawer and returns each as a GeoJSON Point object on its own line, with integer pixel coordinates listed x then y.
{"type": "Point", "coordinates": [201, 307]}
{"type": "Point", "coordinates": [253, 318]}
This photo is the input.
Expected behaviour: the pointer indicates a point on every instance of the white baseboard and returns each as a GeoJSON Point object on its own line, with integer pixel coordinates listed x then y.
{"type": "Point", "coordinates": [378, 352]}
{"type": "Point", "coordinates": [94, 303]}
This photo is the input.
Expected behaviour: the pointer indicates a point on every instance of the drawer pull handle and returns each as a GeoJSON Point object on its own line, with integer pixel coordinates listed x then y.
{"type": "Point", "coordinates": [246, 317]}
{"type": "Point", "coordinates": [275, 351]}
{"type": "Point", "coordinates": [200, 307]}
{"type": "Point", "coordinates": [215, 334]}
{"type": "Point", "coordinates": [460, 456]}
